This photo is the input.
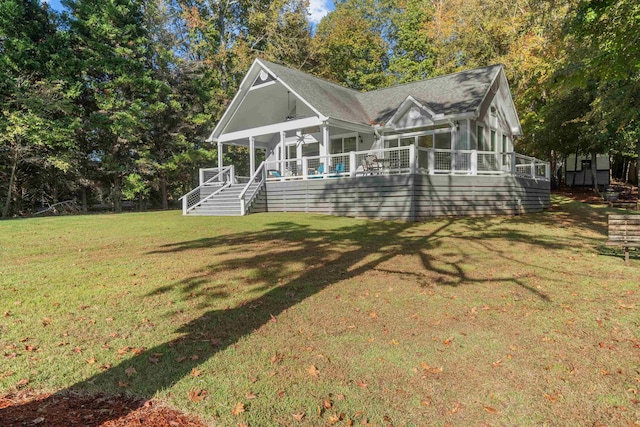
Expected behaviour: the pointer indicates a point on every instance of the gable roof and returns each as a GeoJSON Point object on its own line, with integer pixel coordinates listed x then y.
{"type": "Point", "coordinates": [455, 93]}
{"type": "Point", "coordinates": [330, 99]}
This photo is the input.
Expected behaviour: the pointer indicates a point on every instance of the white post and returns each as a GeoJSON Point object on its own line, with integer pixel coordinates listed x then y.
{"type": "Point", "coordinates": [252, 156]}
{"type": "Point", "coordinates": [547, 170]}
{"type": "Point", "coordinates": [452, 168]}
{"type": "Point", "coordinates": [200, 176]}
{"type": "Point", "coordinates": [305, 171]}
{"type": "Point", "coordinates": [513, 163]}
{"type": "Point", "coordinates": [352, 163]}
{"type": "Point", "coordinates": [533, 168]}
{"type": "Point", "coordinates": [324, 148]}
{"type": "Point", "coordinates": [242, 207]}
{"type": "Point", "coordinates": [220, 160]}
{"type": "Point", "coordinates": [431, 161]}
{"type": "Point", "coordinates": [284, 152]}
{"type": "Point", "coordinates": [412, 158]}
{"type": "Point", "coordinates": [184, 205]}
{"type": "Point", "coordinates": [474, 162]}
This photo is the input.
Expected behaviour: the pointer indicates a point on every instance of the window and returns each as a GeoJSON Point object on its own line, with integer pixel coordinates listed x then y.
{"type": "Point", "coordinates": [425, 141]}
{"type": "Point", "coordinates": [292, 151]}
{"type": "Point", "coordinates": [442, 141]}
{"type": "Point", "coordinates": [505, 145]}
{"type": "Point", "coordinates": [310, 150]}
{"type": "Point", "coordinates": [480, 137]}
{"type": "Point", "coordinates": [494, 140]}
{"type": "Point", "coordinates": [344, 145]}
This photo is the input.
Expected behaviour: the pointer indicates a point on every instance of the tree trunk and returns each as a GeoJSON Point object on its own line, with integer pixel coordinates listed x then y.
{"type": "Point", "coordinates": [575, 169]}
{"type": "Point", "coordinates": [12, 178]}
{"type": "Point", "coordinates": [83, 197]}
{"type": "Point", "coordinates": [116, 195]}
{"type": "Point", "coordinates": [638, 167]}
{"type": "Point", "coordinates": [140, 198]}
{"type": "Point", "coordinates": [594, 172]}
{"type": "Point", "coordinates": [163, 191]}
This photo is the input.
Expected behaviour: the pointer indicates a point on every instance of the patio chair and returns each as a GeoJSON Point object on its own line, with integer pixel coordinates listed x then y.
{"type": "Point", "coordinates": [319, 172]}
{"type": "Point", "coordinates": [272, 173]}
{"type": "Point", "coordinates": [338, 171]}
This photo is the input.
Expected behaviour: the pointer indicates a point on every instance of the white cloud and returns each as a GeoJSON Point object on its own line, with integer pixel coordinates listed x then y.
{"type": "Point", "coordinates": [318, 9]}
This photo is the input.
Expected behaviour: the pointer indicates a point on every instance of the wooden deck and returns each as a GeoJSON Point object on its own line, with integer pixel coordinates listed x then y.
{"type": "Point", "coordinates": [410, 197]}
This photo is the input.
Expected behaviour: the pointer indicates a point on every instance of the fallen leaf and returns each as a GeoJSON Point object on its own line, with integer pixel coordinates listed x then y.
{"type": "Point", "coordinates": [313, 371]}
{"type": "Point", "coordinates": [280, 393]}
{"type": "Point", "coordinates": [7, 314]}
{"type": "Point", "coordinates": [138, 351]}
{"type": "Point", "coordinates": [38, 420]}
{"type": "Point", "coordinates": [327, 404]}
{"type": "Point", "coordinates": [154, 360]}
{"type": "Point", "coordinates": [181, 359]}
{"type": "Point", "coordinates": [373, 315]}
{"type": "Point", "coordinates": [455, 409]}
{"type": "Point", "coordinates": [238, 409]}
{"type": "Point", "coordinates": [91, 361]}
{"type": "Point", "coordinates": [447, 341]}
{"type": "Point", "coordinates": [22, 383]}
{"type": "Point", "coordinates": [130, 371]}
{"type": "Point", "coordinates": [196, 372]}
{"type": "Point", "coordinates": [273, 318]}
{"type": "Point", "coordinates": [194, 357]}
{"type": "Point", "coordinates": [340, 396]}
{"type": "Point", "coordinates": [491, 410]}
{"type": "Point", "coordinates": [250, 395]}
{"type": "Point", "coordinates": [77, 350]}
{"type": "Point", "coordinates": [123, 384]}
{"type": "Point", "coordinates": [497, 363]}
{"type": "Point", "coordinates": [336, 418]}
{"type": "Point", "coordinates": [196, 395]}
{"type": "Point", "coordinates": [298, 416]}
{"type": "Point", "coordinates": [362, 384]}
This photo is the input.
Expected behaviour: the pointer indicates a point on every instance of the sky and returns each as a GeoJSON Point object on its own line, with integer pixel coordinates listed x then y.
{"type": "Point", "coordinates": [317, 8]}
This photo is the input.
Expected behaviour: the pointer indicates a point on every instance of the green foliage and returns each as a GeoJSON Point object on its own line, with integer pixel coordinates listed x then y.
{"type": "Point", "coordinates": [348, 51]}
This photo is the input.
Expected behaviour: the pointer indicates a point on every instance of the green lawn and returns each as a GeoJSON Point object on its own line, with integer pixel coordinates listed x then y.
{"type": "Point", "coordinates": [524, 320]}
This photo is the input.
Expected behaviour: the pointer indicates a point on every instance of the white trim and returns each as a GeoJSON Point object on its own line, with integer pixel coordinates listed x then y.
{"type": "Point", "coordinates": [289, 89]}
{"type": "Point", "coordinates": [269, 129]}
{"type": "Point", "coordinates": [262, 85]}
{"type": "Point", "coordinates": [405, 105]}
{"type": "Point", "coordinates": [353, 127]}
{"type": "Point", "coordinates": [224, 119]}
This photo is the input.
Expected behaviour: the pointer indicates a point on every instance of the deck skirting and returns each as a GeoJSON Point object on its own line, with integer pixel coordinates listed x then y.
{"type": "Point", "coordinates": [411, 197]}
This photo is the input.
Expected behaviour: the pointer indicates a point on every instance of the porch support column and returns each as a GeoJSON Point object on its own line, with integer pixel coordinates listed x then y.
{"type": "Point", "coordinates": [283, 153]}
{"type": "Point", "coordinates": [324, 149]}
{"type": "Point", "coordinates": [252, 155]}
{"type": "Point", "coordinates": [220, 161]}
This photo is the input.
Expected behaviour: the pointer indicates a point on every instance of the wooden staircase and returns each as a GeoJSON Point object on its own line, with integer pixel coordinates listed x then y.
{"type": "Point", "coordinates": [225, 202]}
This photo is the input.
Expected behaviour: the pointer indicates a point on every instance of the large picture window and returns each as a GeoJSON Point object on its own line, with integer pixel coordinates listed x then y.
{"type": "Point", "coordinates": [344, 145]}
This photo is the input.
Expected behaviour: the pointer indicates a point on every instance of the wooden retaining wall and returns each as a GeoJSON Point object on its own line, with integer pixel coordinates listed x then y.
{"type": "Point", "coordinates": [407, 197]}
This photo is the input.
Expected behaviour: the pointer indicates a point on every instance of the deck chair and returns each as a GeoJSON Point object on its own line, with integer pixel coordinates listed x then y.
{"type": "Point", "coordinates": [319, 172]}
{"type": "Point", "coordinates": [272, 173]}
{"type": "Point", "coordinates": [338, 171]}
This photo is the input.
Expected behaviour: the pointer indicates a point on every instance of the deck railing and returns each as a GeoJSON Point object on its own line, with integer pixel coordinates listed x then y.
{"type": "Point", "coordinates": [402, 160]}
{"type": "Point", "coordinates": [246, 196]}
{"type": "Point", "coordinates": [222, 179]}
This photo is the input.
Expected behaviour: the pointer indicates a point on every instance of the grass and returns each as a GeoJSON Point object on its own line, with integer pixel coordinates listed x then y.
{"type": "Point", "coordinates": [524, 320]}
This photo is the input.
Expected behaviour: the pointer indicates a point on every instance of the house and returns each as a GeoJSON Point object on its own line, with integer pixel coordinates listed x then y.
{"type": "Point", "coordinates": [442, 146]}
{"type": "Point", "coordinates": [580, 167]}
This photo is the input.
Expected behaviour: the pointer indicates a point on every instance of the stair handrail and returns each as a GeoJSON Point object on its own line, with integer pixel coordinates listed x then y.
{"type": "Point", "coordinates": [204, 184]}
{"type": "Point", "coordinates": [185, 198]}
{"type": "Point", "coordinates": [244, 203]}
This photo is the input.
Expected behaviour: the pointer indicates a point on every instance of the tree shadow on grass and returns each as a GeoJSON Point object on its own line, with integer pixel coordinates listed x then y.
{"type": "Point", "coordinates": [322, 257]}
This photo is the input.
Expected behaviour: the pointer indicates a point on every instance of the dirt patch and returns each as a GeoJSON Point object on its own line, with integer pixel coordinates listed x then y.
{"type": "Point", "coordinates": [61, 410]}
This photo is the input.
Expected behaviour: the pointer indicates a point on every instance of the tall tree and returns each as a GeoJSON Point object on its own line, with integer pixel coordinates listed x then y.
{"type": "Point", "coordinates": [35, 124]}
{"type": "Point", "coordinates": [349, 51]}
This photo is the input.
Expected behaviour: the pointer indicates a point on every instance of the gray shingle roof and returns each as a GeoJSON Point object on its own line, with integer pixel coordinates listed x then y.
{"type": "Point", "coordinates": [450, 94]}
